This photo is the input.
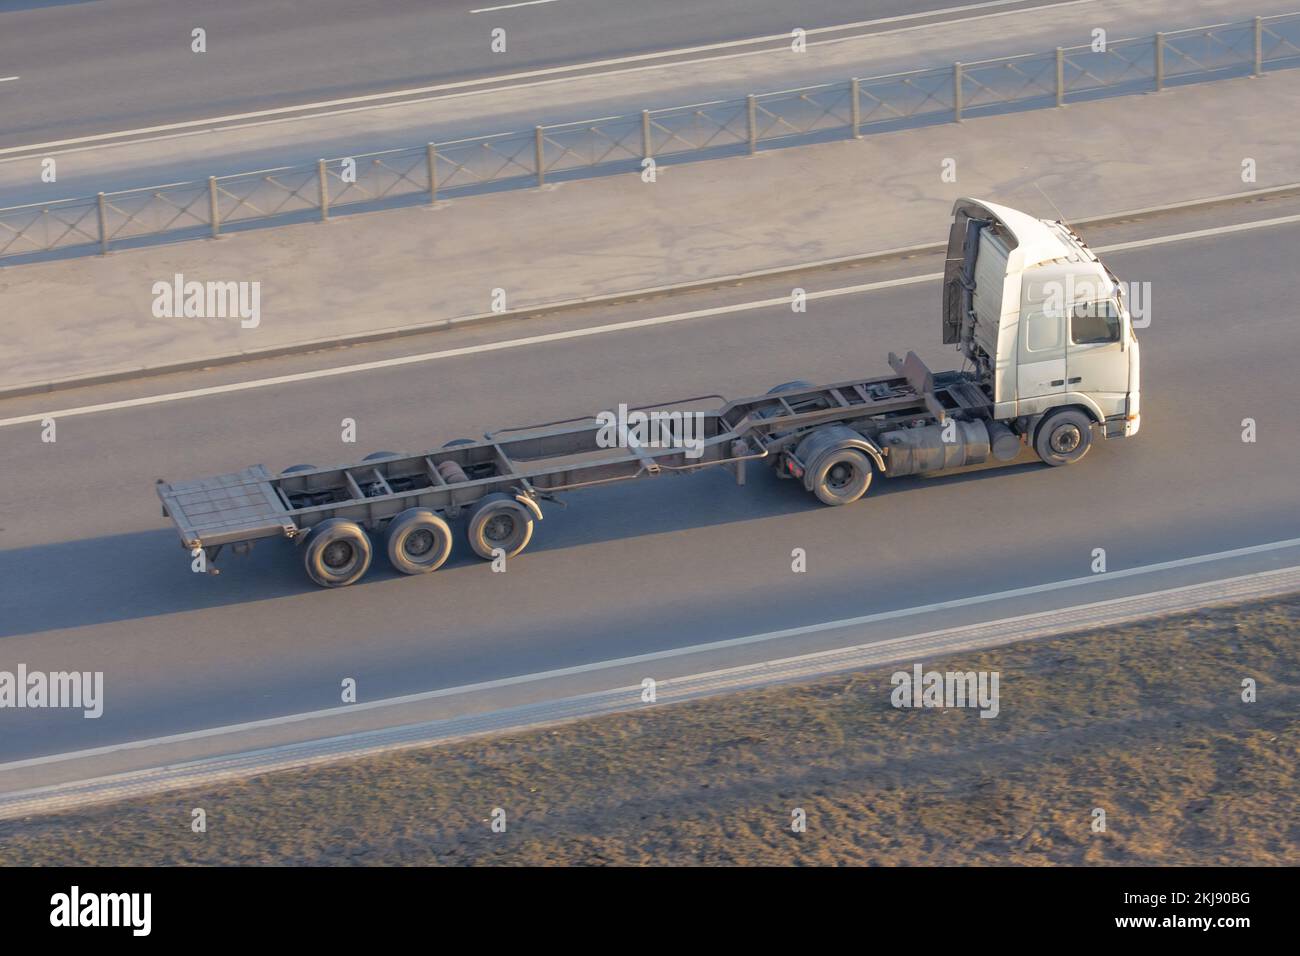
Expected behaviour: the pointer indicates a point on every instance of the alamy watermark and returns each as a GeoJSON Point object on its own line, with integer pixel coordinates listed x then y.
{"type": "Point", "coordinates": [655, 429]}
{"type": "Point", "coordinates": [75, 690]}
{"type": "Point", "coordinates": [75, 908]}
{"type": "Point", "coordinates": [1088, 297]}
{"type": "Point", "coordinates": [947, 689]}
{"type": "Point", "coordinates": [208, 300]}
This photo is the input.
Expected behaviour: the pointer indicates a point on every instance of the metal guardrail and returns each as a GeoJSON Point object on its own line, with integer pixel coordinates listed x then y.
{"type": "Point", "coordinates": [723, 127]}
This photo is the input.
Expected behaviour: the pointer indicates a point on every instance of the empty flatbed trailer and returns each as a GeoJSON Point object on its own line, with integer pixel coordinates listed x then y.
{"type": "Point", "coordinates": [832, 438]}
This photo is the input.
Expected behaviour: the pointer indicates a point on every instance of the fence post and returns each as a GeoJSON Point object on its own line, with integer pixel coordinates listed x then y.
{"type": "Point", "coordinates": [956, 92]}
{"type": "Point", "coordinates": [540, 154]}
{"type": "Point", "coordinates": [214, 211]}
{"type": "Point", "coordinates": [103, 227]}
{"type": "Point", "coordinates": [751, 112]}
{"type": "Point", "coordinates": [1060, 76]}
{"type": "Point", "coordinates": [431, 157]}
{"type": "Point", "coordinates": [324, 190]}
{"type": "Point", "coordinates": [647, 146]}
{"type": "Point", "coordinates": [854, 87]}
{"type": "Point", "coordinates": [1160, 62]}
{"type": "Point", "coordinates": [1259, 46]}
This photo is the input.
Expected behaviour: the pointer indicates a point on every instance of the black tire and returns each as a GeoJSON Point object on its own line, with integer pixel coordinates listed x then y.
{"type": "Point", "coordinates": [498, 521]}
{"type": "Point", "coordinates": [337, 553]}
{"type": "Point", "coordinates": [796, 386]}
{"type": "Point", "coordinates": [380, 455]}
{"type": "Point", "coordinates": [419, 541]}
{"type": "Point", "coordinates": [775, 390]}
{"type": "Point", "coordinates": [1063, 437]}
{"type": "Point", "coordinates": [294, 469]}
{"type": "Point", "coordinates": [459, 441]}
{"type": "Point", "coordinates": [841, 477]}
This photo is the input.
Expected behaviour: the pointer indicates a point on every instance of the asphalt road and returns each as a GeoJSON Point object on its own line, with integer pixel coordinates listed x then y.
{"type": "Point", "coordinates": [94, 66]}
{"type": "Point", "coordinates": [94, 578]}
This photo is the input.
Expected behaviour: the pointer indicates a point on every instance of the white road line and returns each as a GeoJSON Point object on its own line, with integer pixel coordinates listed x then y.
{"type": "Point", "coordinates": [511, 6]}
{"type": "Point", "coordinates": [1202, 233]}
{"type": "Point", "coordinates": [376, 99]}
{"type": "Point", "coordinates": [454, 353]}
{"type": "Point", "coordinates": [710, 646]}
{"type": "Point", "coordinates": [583, 333]}
{"type": "Point", "coordinates": [6, 79]}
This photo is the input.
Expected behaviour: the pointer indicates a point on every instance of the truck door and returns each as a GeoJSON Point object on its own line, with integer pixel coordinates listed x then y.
{"type": "Point", "coordinates": [1095, 360]}
{"type": "Point", "coordinates": [1040, 374]}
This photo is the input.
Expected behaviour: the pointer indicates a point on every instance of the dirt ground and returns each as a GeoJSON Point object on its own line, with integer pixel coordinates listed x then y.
{"type": "Point", "coordinates": [1146, 722]}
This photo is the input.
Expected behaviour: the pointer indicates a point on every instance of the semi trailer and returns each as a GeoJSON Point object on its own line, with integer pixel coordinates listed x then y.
{"type": "Point", "coordinates": [1050, 360]}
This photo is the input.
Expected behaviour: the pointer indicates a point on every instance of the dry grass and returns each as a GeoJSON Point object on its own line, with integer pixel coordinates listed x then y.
{"type": "Point", "coordinates": [1145, 721]}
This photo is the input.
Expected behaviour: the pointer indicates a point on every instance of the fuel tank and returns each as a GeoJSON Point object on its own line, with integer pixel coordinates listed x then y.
{"type": "Point", "coordinates": [914, 451]}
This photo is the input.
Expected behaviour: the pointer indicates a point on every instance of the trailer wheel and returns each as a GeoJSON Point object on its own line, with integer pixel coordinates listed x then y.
{"type": "Point", "coordinates": [842, 477]}
{"type": "Point", "coordinates": [1063, 437]}
{"type": "Point", "coordinates": [337, 553]}
{"type": "Point", "coordinates": [498, 521]}
{"type": "Point", "coordinates": [293, 469]}
{"type": "Point", "coordinates": [459, 441]}
{"type": "Point", "coordinates": [379, 455]}
{"type": "Point", "coordinates": [419, 541]}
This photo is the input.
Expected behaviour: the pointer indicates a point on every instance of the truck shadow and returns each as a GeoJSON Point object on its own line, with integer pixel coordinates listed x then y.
{"type": "Point", "coordinates": [146, 574]}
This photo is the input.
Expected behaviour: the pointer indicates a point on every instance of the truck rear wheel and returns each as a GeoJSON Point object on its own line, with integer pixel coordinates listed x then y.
{"type": "Point", "coordinates": [337, 553]}
{"type": "Point", "coordinates": [501, 522]}
{"type": "Point", "coordinates": [798, 385]}
{"type": "Point", "coordinates": [772, 412]}
{"type": "Point", "coordinates": [419, 541]}
{"type": "Point", "coordinates": [1063, 437]}
{"type": "Point", "coordinates": [841, 477]}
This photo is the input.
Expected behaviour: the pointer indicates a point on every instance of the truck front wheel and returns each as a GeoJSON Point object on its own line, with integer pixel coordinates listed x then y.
{"type": "Point", "coordinates": [1063, 437]}
{"type": "Point", "coordinates": [501, 522]}
{"type": "Point", "coordinates": [841, 477]}
{"type": "Point", "coordinates": [337, 553]}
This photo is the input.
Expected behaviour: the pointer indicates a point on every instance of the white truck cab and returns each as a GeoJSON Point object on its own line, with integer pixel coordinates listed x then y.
{"type": "Point", "coordinates": [1043, 321]}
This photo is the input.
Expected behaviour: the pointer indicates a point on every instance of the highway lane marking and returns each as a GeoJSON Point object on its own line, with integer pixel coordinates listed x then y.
{"type": "Point", "coordinates": [374, 99]}
{"type": "Point", "coordinates": [511, 6]}
{"type": "Point", "coordinates": [671, 653]}
{"type": "Point", "coordinates": [453, 353]}
{"type": "Point", "coordinates": [584, 332]}
{"type": "Point", "coordinates": [1201, 233]}
{"type": "Point", "coordinates": [6, 79]}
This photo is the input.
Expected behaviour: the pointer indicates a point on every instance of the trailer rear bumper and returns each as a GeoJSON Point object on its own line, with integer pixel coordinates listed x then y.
{"type": "Point", "coordinates": [226, 509]}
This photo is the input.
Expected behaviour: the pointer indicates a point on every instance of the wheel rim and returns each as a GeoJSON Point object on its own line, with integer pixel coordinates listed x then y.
{"type": "Point", "coordinates": [338, 555]}
{"type": "Point", "coordinates": [500, 527]}
{"type": "Point", "coordinates": [418, 543]}
{"type": "Point", "coordinates": [1066, 439]}
{"type": "Point", "coordinates": [841, 475]}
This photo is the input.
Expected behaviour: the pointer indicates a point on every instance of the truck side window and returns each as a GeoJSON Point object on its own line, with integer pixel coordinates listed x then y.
{"type": "Point", "coordinates": [1094, 323]}
{"type": "Point", "coordinates": [1043, 332]}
